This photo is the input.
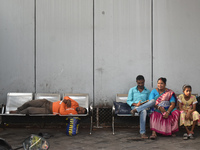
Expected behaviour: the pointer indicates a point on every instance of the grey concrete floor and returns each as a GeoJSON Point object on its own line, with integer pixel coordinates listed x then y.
{"type": "Point", "coordinates": [102, 139]}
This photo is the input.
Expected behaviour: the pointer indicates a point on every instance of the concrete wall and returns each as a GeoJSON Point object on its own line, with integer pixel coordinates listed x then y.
{"type": "Point", "coordinates": [97, 46]}
{"type": "Point", "coordinates": [122, 46]}
{"type": "Point", "coordinates": [16, 47]}
{"type": "Point", "coordinates": [64, 46]}
{"type": "Point", "coordinates": [176, 43]}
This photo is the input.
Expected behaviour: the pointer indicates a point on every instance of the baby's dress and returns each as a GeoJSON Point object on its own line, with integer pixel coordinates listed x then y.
{"type": "Point", "coordinates": [186, 105]}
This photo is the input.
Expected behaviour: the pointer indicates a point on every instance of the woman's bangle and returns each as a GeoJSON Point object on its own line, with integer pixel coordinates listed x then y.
{"type": "Point", "coordinates": [158, 107]}
{"type": "Point", "coordinates": [168, 112]}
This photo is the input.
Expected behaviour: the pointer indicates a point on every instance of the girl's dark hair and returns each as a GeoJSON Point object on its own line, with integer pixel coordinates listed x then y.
{"type": "Point", "coordinates": [186, 86]}
{"type": "Point", "coordinates": [163, 79]}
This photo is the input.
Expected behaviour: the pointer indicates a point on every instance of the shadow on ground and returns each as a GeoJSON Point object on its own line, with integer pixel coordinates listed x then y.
{"type": "Point", "coordinates": [101, 138]}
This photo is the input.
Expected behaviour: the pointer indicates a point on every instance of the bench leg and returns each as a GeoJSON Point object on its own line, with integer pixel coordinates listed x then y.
{"type": "Point", "coordinates": [91, 124]}
{"type": "Point", "coordinates": [113, 124]}
{"type": "Point", "coordinates": [2, 123]}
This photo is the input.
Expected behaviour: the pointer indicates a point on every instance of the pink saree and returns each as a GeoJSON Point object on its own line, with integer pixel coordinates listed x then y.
{"type": "Point", "coordinates": [165, 126]}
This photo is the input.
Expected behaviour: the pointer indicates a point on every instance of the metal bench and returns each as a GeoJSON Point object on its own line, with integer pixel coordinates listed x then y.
{"type": "Point", "coordinates": [53, 97]}
{"type": "Point", "coordinates": [14, 100]}
{"type": "Point", "coordinates": [119, 98]}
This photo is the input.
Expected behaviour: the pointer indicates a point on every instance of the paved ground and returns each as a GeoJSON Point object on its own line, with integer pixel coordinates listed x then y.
{"type": "Point", "coordinates": [102, 139]}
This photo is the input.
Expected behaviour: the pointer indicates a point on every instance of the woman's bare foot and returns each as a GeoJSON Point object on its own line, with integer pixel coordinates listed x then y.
{"type": "Point", "coordinates": [153, 136]}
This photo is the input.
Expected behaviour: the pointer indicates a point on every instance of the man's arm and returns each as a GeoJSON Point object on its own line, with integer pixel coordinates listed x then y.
{"type": "Point", "coordinates": [137, 104]}
{"type": "Point", "coordinates": [74, 104]}
{"type": "Point", "coordinates": [64, 110]}
{"type": "Point", "coordinates": [70, 103]}
{"type": "Point", "coordinates": [130, 99]}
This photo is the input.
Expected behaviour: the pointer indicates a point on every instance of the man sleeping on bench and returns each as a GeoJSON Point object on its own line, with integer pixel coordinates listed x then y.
{"type": "Point", "coordinates": [42, 106]}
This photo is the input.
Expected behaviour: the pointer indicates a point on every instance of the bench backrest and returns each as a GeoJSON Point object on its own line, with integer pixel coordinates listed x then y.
{"type": "Point", "coordinates": [14, 100]}
{"type": "Point", "coordinates": [53, 97]}
{"type": "Point", "coordinates": [121, 98]}
{"type": "Point", "coordinates": [82, 99]}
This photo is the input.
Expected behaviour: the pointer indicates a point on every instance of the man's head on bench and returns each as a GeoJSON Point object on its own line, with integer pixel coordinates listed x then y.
{"type": "Point", "coordinates": [81, 110]}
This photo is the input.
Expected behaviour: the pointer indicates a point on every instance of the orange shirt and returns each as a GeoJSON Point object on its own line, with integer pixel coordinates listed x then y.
{"type": "Point", "coordinates": [62, 108]}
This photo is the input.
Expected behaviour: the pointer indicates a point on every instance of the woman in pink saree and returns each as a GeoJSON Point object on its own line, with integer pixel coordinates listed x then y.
{"type": "Point", "coordinates": [165, 116]}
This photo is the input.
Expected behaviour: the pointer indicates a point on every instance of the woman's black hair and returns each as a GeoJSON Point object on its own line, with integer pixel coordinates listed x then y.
{"type": "Point", "coordinates": [186, 86]}
{"type": "Point", "coordinates": [163, 79]}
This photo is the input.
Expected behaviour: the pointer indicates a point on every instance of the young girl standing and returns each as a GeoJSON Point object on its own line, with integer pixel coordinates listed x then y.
{"type": "Point", "coordinates": [187, 106]}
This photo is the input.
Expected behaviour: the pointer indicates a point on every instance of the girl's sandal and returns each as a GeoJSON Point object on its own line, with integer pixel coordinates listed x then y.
{"type": "Point", "coordinates": [190, 136]}
{"type": "Point", "coordinates": [153, 137]}
{"type": "Point", "coordinates": [185, 136]}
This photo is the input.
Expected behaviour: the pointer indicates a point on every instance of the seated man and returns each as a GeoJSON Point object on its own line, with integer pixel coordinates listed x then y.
{"type": "Point", "coordinates": [43, 106]}
{"type": "Point", "coordinates": [137, 96]}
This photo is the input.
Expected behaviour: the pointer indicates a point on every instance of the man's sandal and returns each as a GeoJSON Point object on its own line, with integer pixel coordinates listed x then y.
{"type": "Point", "coordinates": [144, 136]}
{"type": "Point", "coordinates": [153, 136]}
{"type": "Point", "coordinates": [133, 111]}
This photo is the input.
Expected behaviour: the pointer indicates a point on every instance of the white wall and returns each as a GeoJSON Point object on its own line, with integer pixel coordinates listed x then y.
{"type": "Point", "coordinates": [16, 46]}
{"type": "Point", "coordinates": [97, 46]}
{"type": "Point", "coordinates": [64, 46]}
{"type": "Point", "coordinates": [122, 47]}
{"type": "Point", "coordinates": [176, 43]}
